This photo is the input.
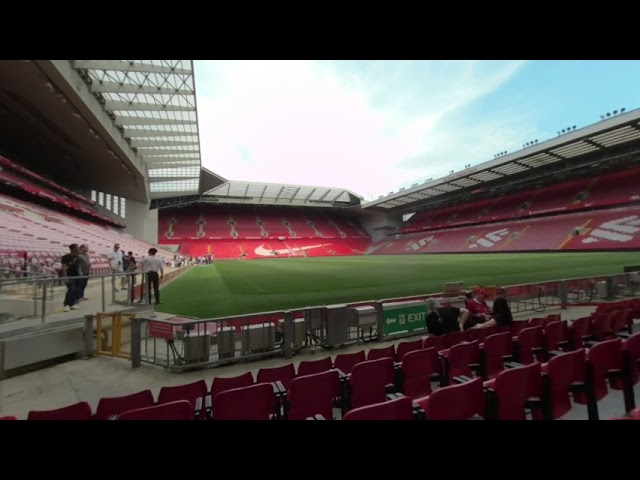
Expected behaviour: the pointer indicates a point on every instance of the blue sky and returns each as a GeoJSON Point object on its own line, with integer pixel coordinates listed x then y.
{"type": "Point", "coordinates": [376, 126]}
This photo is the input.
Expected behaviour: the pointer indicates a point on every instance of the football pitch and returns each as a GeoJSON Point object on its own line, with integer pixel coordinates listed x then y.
{"type": "Point", "coordinates": [234, 287]}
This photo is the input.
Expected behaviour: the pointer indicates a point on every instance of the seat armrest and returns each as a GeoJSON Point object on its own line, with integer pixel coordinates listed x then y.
{"type": "Point", "coordinates": [513, 364]}
{"type": "Point", "coordinates": [278, 388]}
{"type": "Point", "coordinates": [418, 411]}
{"type": "Point", "coordinates": [462, 379]}
{"type": "Point", "coordinates": [343, 376]}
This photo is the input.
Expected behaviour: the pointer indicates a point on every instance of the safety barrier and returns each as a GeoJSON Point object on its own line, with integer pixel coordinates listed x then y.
{"type": "Point", "coordinates": [182, 343]}
{"type": "Point", "coordinates": [25, 302]}
{"type": "Point", "coordinates": [116, 334]}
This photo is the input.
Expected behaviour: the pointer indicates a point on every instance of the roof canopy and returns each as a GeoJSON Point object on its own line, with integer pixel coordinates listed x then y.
{"type": "Point", "coordinates": [612, 132]}
{"type": "Point", "coordinates": [282, 194]}
{"type": "Point", "coordinates": [153, 104]}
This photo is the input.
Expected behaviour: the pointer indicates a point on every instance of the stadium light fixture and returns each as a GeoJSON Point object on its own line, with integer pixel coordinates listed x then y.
{"type": "Point", "coordinates": [622, 110]}
{"type": "Point", "coordinates": [615, 112]}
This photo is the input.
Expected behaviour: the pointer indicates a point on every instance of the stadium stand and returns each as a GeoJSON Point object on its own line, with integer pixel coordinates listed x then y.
{"type": "Point", "coordinates": [236, 232]}
{"type": "Point", "coordinates": [42, 234]}
{"type": "Point", "coordinates": [617, 188]}
{"type": "Point", "coordinates": [608, 229]}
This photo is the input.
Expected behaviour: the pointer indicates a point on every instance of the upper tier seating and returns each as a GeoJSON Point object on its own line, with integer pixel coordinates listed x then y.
{"type": "Point", "coordinates": [44, 235]}
{"type": "Point", "coordinates": [617, 188]}
{"type": "Point", "coordinates": [601, 229]}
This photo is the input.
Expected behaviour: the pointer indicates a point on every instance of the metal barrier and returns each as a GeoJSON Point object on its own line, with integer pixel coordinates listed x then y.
{"type": "Point", "coordinates": [182, 343]}
{"type": "Point", "coordinates": [116, 334]}
{"type": "Point", "coordinates": [36, 298]}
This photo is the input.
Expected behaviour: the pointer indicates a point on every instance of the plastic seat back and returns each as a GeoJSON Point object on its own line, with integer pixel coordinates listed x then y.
{"type": "Point", "coordinates": [77, 411]}
{"type": "Point", "coordinates": [110, 406]}
{"type": "Point", "coordinates": [418, 368]}
{"type": "Point", "coordinates": [257, 402]}
{"type": "Point", "coordinates": [396, 409]}
{"type": "Point", "coordinates": [310, 395]}
{"type": "Point", "coordinates": [221, 384]}
{"type": "Point", "coordinates": [178, 410]}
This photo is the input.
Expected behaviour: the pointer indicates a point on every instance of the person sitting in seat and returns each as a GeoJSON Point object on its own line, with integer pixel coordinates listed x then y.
{"type": "Point", "coordinates": [501, 314]}
{"type": "Point", "coordinates": [478, 308]}
{"type": "Point", "coordinates": [443, 320]}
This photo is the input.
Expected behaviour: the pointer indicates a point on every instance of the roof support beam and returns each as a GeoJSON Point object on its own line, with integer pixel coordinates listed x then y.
{"type": "Point", "coordinates": [324, 195]}
{"type": "Point", "coordinates": [264, 190]}
{"type": "Point", "coordinates": [293, 197]}
{"type": "Point", "coordinates": [337, 196]}
{"type": "Point", "coordinates": [153, 161]}
{"type": "Point", "coordinates": [121, 106]}
{"type": "Point", "coordinates": [113, 87]}
{"type": "Point", "coordinates": [156, 152]}
{"type": "Point", "coordinates": [142, 133]}
{"type": "Point", "coordinates": [151, 121]}
{"type": "Point", "coordinates": [153, 179]}
{"type": "Point", "coordinates": [309, 196]}
{"type": "Point", "coordinates": [160, 143]}
{"type": "Point", "coordinates": [124, 66]}
{"type": "Point", "coordinates": [280, 193]}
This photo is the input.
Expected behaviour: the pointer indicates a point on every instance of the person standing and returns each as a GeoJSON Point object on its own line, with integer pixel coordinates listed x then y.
{"type": "Point", "coordinates": [131, 265]}
{"type": "Point", "coordinates": [154, 268]}
{"type": "Point", "coordinates": [70, 270]}
{"type": "Point", "coordinates": [85, 271]}
{"type": "Point", "coordinates": [115, 263]}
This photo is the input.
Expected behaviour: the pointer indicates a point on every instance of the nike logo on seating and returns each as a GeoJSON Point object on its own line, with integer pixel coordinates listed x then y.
{"type": "Point", "coordinates": [269, 253]}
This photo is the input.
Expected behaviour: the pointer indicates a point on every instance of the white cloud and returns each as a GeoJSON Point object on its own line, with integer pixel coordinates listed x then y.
{"type": "Point", "coordinates": [367, 126]}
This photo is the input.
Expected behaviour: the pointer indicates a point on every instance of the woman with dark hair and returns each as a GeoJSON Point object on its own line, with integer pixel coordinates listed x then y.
{"type": "Point", "coordinates": [501, 314]}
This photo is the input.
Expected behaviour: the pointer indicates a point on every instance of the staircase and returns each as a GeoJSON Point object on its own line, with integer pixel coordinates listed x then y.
{"type": "Point", "coordinates": [263, 231]}
{"type": "Point", "coordinates": [232, 224]}
{"type": "Point", "coordinates": [285, 222]}
{"type": "Point", "coordinates": [340, 232]}
{"type": "Point", "coordinates": [201, 223]}
{"type": "Point", "coordinates": [318, 233]}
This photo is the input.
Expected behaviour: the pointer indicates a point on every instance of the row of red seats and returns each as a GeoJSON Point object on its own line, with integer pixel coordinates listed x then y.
{"type": "Point", "coordinates": [544, 389]}
{"type": "Point", "coordinates": [357, 379]}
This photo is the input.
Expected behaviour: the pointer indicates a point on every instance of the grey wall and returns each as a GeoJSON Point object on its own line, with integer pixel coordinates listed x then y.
{"type": "Point", "coordinates": [141, 222]}
{"type": "Point", "coordinates": [374, 221]}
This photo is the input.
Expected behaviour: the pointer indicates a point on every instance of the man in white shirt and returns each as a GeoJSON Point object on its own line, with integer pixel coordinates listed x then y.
{"type": "Point", "coordinates": [151, 266]}
{"type": "Point", "coordinates": [115, 263]}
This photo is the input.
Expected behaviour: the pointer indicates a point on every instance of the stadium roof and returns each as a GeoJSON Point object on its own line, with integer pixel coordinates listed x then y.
{"type": "Point", "coordinates": [153, 105]}
{"type": "Point", "coordinates": [281, 194]}
{"type": "Point", "coordinates": [612, 132]}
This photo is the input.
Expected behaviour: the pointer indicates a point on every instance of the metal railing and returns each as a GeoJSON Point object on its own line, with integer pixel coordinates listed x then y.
{"type": "Point", "coordinates": [181, 343]}
{"type": "Point", "coordinates": [38, 298]}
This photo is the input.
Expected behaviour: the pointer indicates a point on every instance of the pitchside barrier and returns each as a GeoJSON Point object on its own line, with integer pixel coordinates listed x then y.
{"type": "Point", "coordinates": [182, 343]}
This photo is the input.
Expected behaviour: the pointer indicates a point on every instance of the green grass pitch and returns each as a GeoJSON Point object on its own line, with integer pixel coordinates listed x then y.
{"type": "Point", "coordinates": [234, 287]}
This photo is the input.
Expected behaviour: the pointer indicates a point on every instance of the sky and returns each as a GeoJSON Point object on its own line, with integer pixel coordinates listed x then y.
{"type": "Point", "coordinates": [376, 126]}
